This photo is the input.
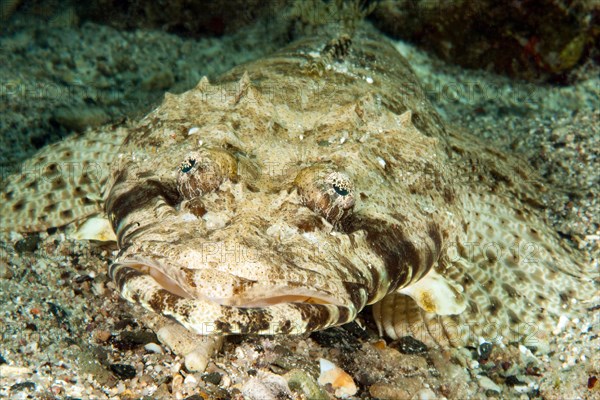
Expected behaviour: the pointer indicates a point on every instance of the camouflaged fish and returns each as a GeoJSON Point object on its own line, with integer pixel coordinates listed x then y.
{"type": "Point", "coordinates": [300, 188]}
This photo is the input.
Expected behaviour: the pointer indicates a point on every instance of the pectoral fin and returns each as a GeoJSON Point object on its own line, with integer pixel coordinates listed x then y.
{"type": "Point", "coordinates": [60, 184]}
{"type": "Point", "coordinates": [96, 228]}
{"type": "Point", "coordinates": [507, 278]}
{"type": "Point", "coordinates": [437, 295]}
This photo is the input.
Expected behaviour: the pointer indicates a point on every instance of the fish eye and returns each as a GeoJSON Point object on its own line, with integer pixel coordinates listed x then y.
{"type": "Point", "coordinates": [203, 172]}
{"type": "Point", "coordinates": [340, 190]}
{"type": "Point", "coordinates": [329, 193]}
{"type": "Point", "coordinates": [188, 165]}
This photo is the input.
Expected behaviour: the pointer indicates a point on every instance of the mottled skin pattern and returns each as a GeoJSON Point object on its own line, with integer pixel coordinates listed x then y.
{"type": "Point", "coordinates": [303, 186]}
{"type": "Point", "coordinates": [284, 130]}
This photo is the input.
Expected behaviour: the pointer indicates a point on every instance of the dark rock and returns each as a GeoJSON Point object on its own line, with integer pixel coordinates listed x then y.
{"type": "Point", "coordinates": [282, 350]}
{"type": "Point", "coordinates": [484, 350]}
{"type": "Point", "coordinates": [185, 17]}
{"type": "Point", "coordinates": [235, 339]}
{"type": "Point", "coordinates": [512, 380]}
{"type": "Point", "coordinates": [213, 377]}
{"type": "Point", "coordinates": [62, 317]}
{"type": "Point", "coordinates": [125, 323]}
{"type": "Point", "coordinates": [287, 360]}
{"type": "Point", "coordinates": [17, 387]}
{"type": "Point", "coordinates": [534, 40]}
{"type": "Point", "coordinates": [130, 340]}
{"type": "Point", "coordinates": [194, 397]}
{"type": "Point", "coordinates": [356, 330]}
{"type": "Point", "coordinates": [31, 327]}
{"type": "Point", "coordinates": [2, 360]}
{"type": "Point", "coordinates": [409, 345]}
{"type": "Point", "coordinates": [123, 371]}
{"type": "Point", "coordinates": [28, 244]}
{"type": "Point", "coordinates": [533, 369]}
{"type": "Point", "coordinates": [82, 279]}
{"type": "Point", "coordinates": [338, 337]}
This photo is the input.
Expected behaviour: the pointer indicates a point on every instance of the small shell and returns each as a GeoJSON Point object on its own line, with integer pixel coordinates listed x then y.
{"type": "Point", "coordinates": [340, 381]}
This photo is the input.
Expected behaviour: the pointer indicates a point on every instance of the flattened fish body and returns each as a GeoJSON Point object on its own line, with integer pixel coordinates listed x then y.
{"type": "Point", "coordinates": [301, 187]}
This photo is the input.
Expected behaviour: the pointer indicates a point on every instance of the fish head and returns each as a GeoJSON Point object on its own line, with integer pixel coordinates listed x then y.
{"type": "Point", "coordinates": [247, 209]}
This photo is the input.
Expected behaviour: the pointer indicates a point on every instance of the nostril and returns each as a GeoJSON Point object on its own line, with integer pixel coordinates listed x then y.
{"type": "Point", "coordinates": [195, 206]}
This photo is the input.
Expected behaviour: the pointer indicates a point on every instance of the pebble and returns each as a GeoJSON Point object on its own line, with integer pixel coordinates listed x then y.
{"type": "Point", "coordinates": [301, 382]}
{"type": "Point", "coordinates": [7, 371]}
{"type": "Point", "coordinates": [190, 380]}
{"type": "Point", "coordinates": [487, 384]}
{"type": "Point", "coordinates": [388, 392]}
{"type": "Point", "coordinates": [28, 244]}
{"type": "Point", "coordinates": [130, 340]}
{"type": "Point", "coordinates": [123, 371]}
{"type": "Point", "coordinates": [213, 377]}
{"type": "Point", "coordinates": [425, 394]}
{"type": "Point", "coordinates": [17, 387]}
{"type": "Point", "coordinates": [541, 347]}
{"type": "Point", "coordinates": [177, 384]}
{"type": "Point", "coordinates": [409, 345]}
{"type": "Point", "coordinates": [526, 355]}
{"type": "Point", "coordinates": [196, 350]}
{"type": "Point", "coordinates": [560, 326]}
{"type": "Point", "coordinates": [153, 348]}
{"type": "Point", "coordinates": [197, 360]}
{"type": "Point", "coordinates": [102, 336]}
{"type": "Point", "coordinates": [265, 386]}
{"type": "Point", "coordinates": [340, 381]}
{"type": "Point", "coordinates": [484, 350]}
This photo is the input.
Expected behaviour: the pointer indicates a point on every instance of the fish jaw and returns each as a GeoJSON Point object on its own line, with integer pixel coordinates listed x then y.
{"type": "Point", "coordinates": [247, 264]}
{"type": "Point", "coordinates": [211, 300]}
{"type": "Point", "coordinates": [206, 317]}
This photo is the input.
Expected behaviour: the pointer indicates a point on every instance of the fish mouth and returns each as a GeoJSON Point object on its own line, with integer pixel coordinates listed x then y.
{"type": "Point", "coordinates": [227, 289]}
{"type": "Point", "coordinates": [281, 310]}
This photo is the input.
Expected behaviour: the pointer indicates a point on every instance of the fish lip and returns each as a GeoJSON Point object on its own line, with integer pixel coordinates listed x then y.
{"type": "Point", "coordinates": [251, 294]}
{"type": "Point", "coordinates": [293, 293]}
{"type": "Point", "coordinates": [154, 269]}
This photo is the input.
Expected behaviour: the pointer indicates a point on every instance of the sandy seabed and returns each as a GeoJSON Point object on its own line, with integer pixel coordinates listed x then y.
{"type": "Point", "coordinates": [65, 332]}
